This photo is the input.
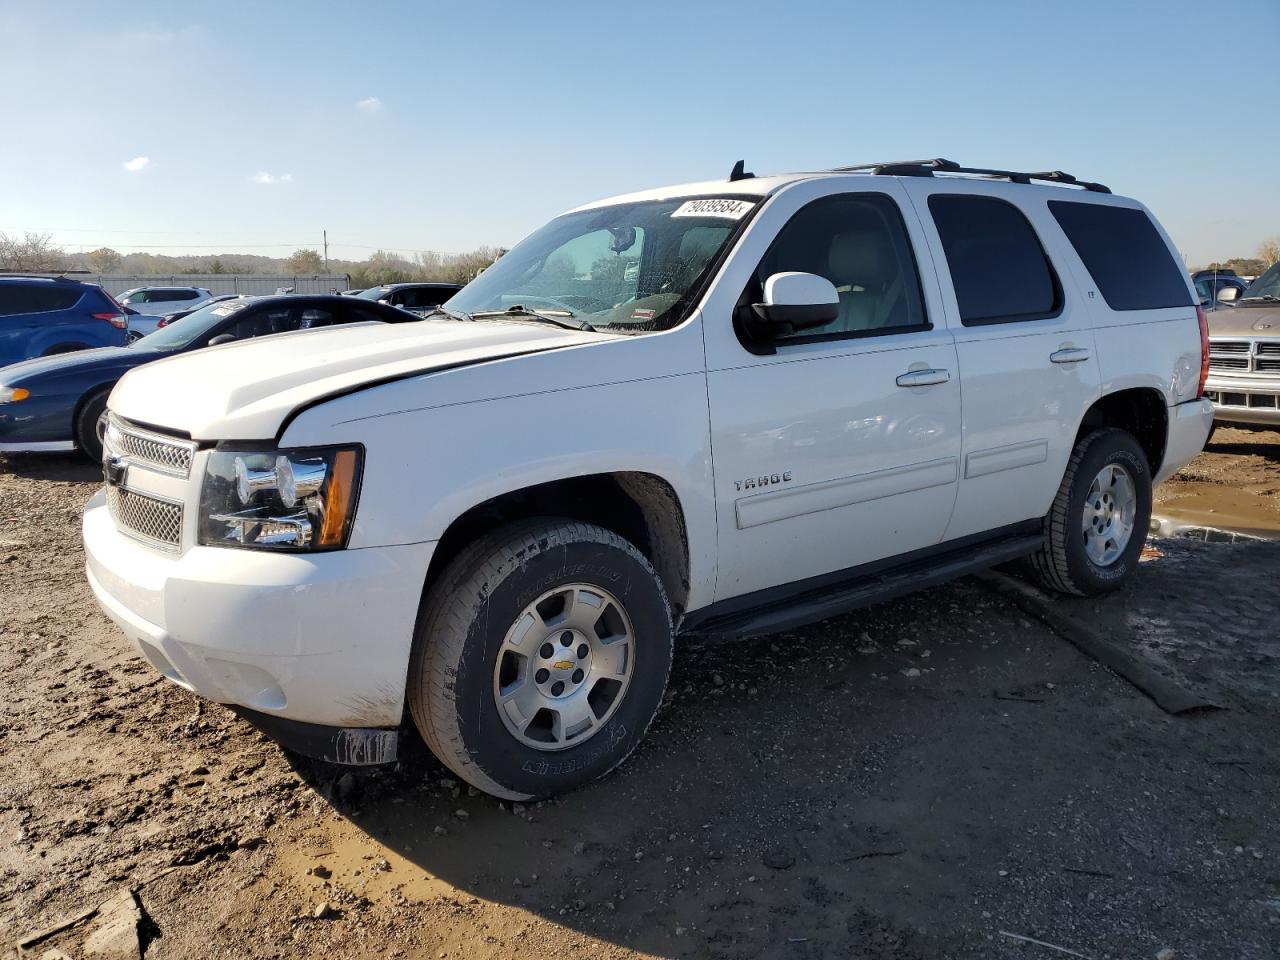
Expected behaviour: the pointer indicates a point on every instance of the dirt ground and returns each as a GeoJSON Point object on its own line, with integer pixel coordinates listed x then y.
{"type": "Point", "coordinates": [915, 780]}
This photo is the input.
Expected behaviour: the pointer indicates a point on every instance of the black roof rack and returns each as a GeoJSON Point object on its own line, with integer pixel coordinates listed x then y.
{"type": "Point", "coordinates": [927, 168]}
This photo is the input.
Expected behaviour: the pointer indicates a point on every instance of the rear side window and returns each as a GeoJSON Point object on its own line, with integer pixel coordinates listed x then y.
{"type": "Point", "coordinates": [1000, 272]}
{"type": "Point", "coordinates": [1125, 255]}
{"type": "Point", "coordinates": [17, 298]}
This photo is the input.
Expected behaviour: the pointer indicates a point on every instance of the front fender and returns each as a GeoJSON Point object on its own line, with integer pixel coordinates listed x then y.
{"type": "Point", "coordinates": [424, 468]}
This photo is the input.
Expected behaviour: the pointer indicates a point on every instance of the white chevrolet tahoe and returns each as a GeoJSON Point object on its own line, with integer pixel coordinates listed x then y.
{"type": "Point", "coordinates": [724, 408]}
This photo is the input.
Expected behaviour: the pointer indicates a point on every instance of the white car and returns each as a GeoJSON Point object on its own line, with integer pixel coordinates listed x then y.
{"type": "Point", "coordinates": [149, 304]}
{"type": "Point", "coordinates": [724, 408]}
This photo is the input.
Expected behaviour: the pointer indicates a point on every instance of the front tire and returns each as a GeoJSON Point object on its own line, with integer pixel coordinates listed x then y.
{"type": "Point", "coordinates": [1095, 530]}
{"type": "Point", "coordinates": [90, 426]}
{"type": "Point", "coordinates": [541, 658]}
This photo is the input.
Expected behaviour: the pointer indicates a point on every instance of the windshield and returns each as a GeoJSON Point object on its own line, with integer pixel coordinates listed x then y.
{"type": "Point", "coordinates": [1267, 285]}
{"type": "Point", "coordinates": [628, 268]}
{"type": "Point", "coordinates": [374, 293]}
{"type": "Point", "coordinates": [186, 331]}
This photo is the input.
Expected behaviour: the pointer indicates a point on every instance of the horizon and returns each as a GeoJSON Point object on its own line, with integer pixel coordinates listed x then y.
{"type": "Point", "coordinates": [483, 137]}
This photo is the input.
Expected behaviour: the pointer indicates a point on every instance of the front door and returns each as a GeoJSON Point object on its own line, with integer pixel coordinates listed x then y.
{"type": "Point", "coordinates": [841, 446]}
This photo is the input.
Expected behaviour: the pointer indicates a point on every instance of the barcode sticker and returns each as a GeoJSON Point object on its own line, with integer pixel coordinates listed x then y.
{"type": "Point", "coordinates": [714, 207]}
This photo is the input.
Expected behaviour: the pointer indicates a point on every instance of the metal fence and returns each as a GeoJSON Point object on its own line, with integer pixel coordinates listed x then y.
{"type": "Point", "coordinates": [250, 283]}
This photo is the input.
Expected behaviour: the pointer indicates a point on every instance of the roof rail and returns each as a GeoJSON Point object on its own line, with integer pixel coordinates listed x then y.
{"type": "Point", "coordinates": [927, 168]}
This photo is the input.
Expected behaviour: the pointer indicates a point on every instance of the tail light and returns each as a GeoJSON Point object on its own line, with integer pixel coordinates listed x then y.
{"type": "Point", "coordinates": [1204, 349]}
{"type": "Point", "coordinates": [117, 320]}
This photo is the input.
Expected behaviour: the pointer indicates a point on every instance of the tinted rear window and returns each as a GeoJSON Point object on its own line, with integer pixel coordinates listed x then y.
{"type": "Point", "coordinates": [999, 269]}
{"type": "Point", "coordinates": [18, 298]}
{"type": "Point", "coordinates": [1125, 255]}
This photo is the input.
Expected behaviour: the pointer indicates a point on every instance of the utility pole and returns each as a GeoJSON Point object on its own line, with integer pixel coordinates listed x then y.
{"type": "Point", "coordinates": [326, 251]}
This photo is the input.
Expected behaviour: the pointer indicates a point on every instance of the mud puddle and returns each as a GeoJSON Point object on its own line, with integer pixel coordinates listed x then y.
{"type": "Point", "coordinates": [1249, 509]}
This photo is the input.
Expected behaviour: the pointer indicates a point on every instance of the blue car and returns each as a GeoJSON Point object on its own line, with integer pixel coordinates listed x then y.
{"type": "Point", "coordinates": [57, 403]}
{"type": "Point", "coordinates": [40, 316]}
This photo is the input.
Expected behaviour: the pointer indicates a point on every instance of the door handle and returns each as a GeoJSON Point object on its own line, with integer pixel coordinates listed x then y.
{"type": "Point", "coordinates": [923, 378]}
{"type": "Point", "coordinates": [1069, 355]}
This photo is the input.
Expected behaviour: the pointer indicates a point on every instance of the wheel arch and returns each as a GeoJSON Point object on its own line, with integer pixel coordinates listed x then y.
{"type": "Point", "coordinates": [89, 394]}
{"type": "Point", "coordinates": [643, 508]}
{"type": "Point", "coordinates": [1139, 411]}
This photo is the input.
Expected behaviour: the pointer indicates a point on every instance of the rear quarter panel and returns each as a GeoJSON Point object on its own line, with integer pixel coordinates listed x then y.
{"type": "Point", "coordinates": [1159, 349]}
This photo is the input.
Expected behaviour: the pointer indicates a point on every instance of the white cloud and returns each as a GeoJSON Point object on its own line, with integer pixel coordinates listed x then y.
{"type": "Point", "coordinates": [269, 179]}
{"type": "Point", "coordinates": [370, 105]}
{"type": "Point", "coordinates": [137, 164]}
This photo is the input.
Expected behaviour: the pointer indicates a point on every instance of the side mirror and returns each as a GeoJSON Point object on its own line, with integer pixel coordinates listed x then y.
{"type": "Point", "coordinates": [1228, 294]}
{"type": "Point", "coordinates": [221, 339]}
{"type": "Point", "coordinates": [796, 301]}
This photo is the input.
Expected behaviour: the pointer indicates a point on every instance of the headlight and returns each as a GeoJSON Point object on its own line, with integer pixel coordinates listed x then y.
{"type": "Point", "coordinates": [13, 394]}
{"type": "Point", "coordinates": [280, 499]}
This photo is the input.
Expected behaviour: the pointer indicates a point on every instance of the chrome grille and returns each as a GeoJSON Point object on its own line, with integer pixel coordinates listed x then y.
{"type": "Point", "coordinates": [1240, 347]}
{"type": "Point", "coordinates": [159, 522]}
{"type": "Point", "coordinates": [1245, 356]}
{"type": "Point", "coordinates": [163, 454]}
{"type": "Point", "coordinates": [1228, 363]}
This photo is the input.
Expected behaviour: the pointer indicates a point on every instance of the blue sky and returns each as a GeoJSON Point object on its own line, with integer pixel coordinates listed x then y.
{"type": "Point", "coordinates": [443, 126]}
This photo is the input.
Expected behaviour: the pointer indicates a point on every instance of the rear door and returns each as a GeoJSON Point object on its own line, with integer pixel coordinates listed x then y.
{"type": "Point", "coordinates": [836, 447]}
{"type": "Point", "coordinates": [1024, 341]}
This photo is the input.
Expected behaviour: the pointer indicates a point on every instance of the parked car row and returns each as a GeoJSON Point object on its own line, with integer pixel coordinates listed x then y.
{"type": "Point", "coordinates": [57, 401]}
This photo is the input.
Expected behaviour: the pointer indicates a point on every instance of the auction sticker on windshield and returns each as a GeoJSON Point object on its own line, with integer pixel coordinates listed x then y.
{"type": "Point", "coordinates": [713, 207]}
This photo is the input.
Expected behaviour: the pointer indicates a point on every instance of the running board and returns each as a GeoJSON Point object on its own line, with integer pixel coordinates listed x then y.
{"type": "Point", "coordinates": [810, 606]}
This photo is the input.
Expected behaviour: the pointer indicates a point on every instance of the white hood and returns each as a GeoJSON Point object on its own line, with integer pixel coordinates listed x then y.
{"type": "Point", "coordinates": [244, 391]}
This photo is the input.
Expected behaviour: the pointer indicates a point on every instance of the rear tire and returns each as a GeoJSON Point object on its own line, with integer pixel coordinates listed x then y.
{"type": "Point", "coordinates": [90, 424]}
{"type": "Point", "coordinates": [1094, 532]}
{"type": "Point", "coordinates": [524, 633]}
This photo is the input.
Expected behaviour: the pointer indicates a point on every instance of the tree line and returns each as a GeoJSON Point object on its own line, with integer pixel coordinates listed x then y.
{"type": "Point", "coordinates": [37, 253]}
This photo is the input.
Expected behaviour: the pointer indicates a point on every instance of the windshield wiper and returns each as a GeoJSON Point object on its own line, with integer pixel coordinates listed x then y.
{"type": "Point", "coordinates": [1265, 296]}
{"type": "Point", "coordinates": [559, 318]}
{"type": "Point", "coordinates": [451, 314]}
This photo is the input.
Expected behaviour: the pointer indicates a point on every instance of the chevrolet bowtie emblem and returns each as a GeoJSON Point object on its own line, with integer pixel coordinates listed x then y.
{"type": "Point", "coordinates": [115, 470]}
{"type": "Point", "coordinates": [563, 664]}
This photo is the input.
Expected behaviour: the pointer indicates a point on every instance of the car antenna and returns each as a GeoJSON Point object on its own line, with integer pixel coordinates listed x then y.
{"type": "Point", "coordinates": [739, 172]}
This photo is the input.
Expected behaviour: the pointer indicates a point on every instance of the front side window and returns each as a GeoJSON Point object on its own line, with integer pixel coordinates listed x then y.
{"type": "Point", "coordinates": [627, 268]}
{"type": "Point", "coordinates": [281, 319]}
{"type": "Point", "coordinates": [999, 269]}
{"type": "Point", "coordinates": [859, 243]}
{"type": "Point", "coordinates": [1126, 256]}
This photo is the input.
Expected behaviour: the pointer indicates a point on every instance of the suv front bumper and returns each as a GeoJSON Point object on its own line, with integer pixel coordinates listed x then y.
{"type": "Point", "coordinates": [316, 639]}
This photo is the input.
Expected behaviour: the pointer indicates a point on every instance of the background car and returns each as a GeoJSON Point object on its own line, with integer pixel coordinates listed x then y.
{"type": "Point", "coordinates": [415, 297]}
{"type": "Point", "coordinates": [40, 316]}
{"type": "Point", "coordinates": [1214, 288]}
{"type": "Point", "coordinates": [157, 301]}
{"type": "Point", "coordinates": [1244, 355]}
{"type": "Point", "coordinates": [56, 403]}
